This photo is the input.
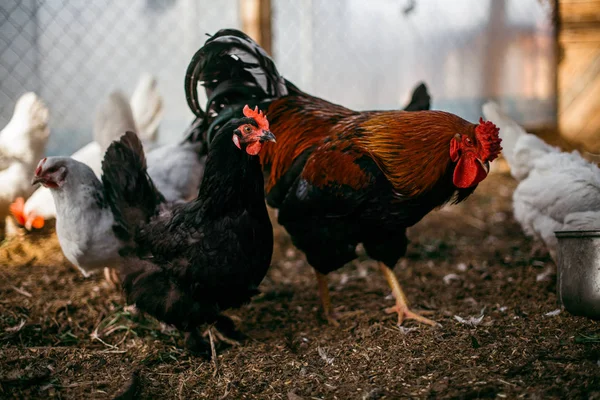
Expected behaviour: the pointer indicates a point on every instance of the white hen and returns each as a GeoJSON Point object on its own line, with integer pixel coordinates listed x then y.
{"type": "Point", "coordinates": [22, 143]}
{"type": "Point", "coordinates": [83, 221]}
{"type": "Point", "coordinates": [557, 190]}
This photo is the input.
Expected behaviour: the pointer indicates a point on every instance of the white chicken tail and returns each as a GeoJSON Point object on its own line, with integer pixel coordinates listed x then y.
{"type": "Point", "coordinates": [147, 107]}
{"type": "Point", "coordinates": [519, 148]}
{"type": "Point", "coordinates": [113, 118]}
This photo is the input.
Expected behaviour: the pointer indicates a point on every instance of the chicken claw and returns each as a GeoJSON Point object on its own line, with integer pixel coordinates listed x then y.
{"type": "Point", "coordinates": [196, 345]}
{"type": "Point", "coordinates": [404, 313]}
{"type": "Point", "coordinates": [112, 277]}
{"type": "Point", "coordinates": [401, 307]}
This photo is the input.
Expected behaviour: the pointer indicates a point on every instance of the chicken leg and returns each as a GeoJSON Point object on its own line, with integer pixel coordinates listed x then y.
{"type": "Point", "coordinates": [401, 307]}
{"type": "Point", "coordinates": [112, 277]}
{"type": "Point", "coordinates": [325, 299]}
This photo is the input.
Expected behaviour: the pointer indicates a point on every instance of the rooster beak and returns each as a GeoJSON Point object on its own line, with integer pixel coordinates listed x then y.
{"type": "Point", "coordinates": [36, 179]}
{"type": "Point", "coordinates": [267, 136]}
{"type": "Point", "coordinates": [485, 165]}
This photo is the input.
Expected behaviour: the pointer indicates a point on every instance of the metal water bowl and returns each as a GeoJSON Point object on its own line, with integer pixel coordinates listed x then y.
{"type": "Point", "coordinates": [579, 272]}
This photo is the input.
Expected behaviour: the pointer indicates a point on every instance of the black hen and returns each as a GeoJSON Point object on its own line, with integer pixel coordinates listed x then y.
{"type": "Point", "coordinates": [185, 263]}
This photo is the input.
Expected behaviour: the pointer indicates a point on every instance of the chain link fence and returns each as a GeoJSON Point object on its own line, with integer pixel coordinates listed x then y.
{"type": "Point", "coordinates": [370, 54]}
{"type": "Point", "coordinates": [353, 52]}
{"type": "Point", "coordinates": [72, 53]}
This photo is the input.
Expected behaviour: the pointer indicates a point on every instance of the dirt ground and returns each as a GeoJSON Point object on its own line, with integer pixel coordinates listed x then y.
{"type": "Point", "coordinates": [65, 336]}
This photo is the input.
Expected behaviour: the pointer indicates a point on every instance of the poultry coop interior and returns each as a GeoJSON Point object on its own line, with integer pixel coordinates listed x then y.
{"type": "Point", "coordinates": [479, 275]}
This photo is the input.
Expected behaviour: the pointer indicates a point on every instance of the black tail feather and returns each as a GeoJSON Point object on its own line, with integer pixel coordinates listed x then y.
{"type": "Point", "coordinates": [420, 100]}
{"type": "Point", "coordinates": [233, 69]}
{"type": "Point", "coordinates": [196, 131]}
{"type": "Point", "coordinates": [132, 196]}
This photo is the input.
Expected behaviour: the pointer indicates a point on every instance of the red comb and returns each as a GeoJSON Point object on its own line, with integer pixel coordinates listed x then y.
{"type": "Point", "coordinates": [38, 170]}
{"type": "Point", "coordinates": [488, 137]}
{"type": "Point", "coordinates": [258, 116]}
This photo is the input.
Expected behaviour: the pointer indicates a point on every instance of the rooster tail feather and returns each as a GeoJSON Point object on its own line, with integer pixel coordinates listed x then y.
{"type": "Point", "coordinates": [420, 99]}
{"type": "Point", "coordinates": [129, 191]}
{"type": "Point", "coordinates": [196, 134]}
{"type": "Point", "coordinates": [233, 69]}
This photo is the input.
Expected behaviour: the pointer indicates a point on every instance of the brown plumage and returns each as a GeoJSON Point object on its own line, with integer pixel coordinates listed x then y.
{"type": "Point", "coordinates": [341, 177]}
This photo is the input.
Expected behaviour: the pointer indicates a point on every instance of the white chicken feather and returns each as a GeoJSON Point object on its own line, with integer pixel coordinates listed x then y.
{"type": "Point", "coordinates": [177, 170]}
{"type": "Point", "coordinates": [557, 190]}
{"type": "Point", "coordinates": [147, 108]}
{"type": "Point", "coordinates": [41, 203]}
{"type": "Point", "coordinates": [84, 221]}
{"type": "Point", "coordinates": [84, 227]}
{"type": "Point", "coordinates": [22, 142]}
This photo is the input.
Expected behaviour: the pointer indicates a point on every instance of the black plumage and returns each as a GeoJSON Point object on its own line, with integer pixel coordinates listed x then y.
{"type": "Point", "coordinates": [186, 263]}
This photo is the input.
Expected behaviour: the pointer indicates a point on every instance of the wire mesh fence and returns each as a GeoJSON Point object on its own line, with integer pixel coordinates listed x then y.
{"type": "Point", "coordinates": [73, 53]}
{"type": "Point", "coordinates": [356, 53]}
{"type": "Point", "coordinates": [371, 54]}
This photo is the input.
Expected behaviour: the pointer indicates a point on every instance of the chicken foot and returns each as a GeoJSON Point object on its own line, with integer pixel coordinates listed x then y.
{"type": "Point", "coordinates": [401, 307]}
{"type": "Point", "coordinates": [226, 331]}
{"type": "Point", "coordinates": [221, 331]}
{"type": "Point", "coordinates": [112, 277]}
{"type": "Point", "coordinates": [322, 282]}
{"type": "Point", "coordinates": [195, 344]}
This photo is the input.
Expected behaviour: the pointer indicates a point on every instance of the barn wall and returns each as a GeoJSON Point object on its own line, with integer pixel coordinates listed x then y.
{"type": "Point", "coordinates": [579, 73]}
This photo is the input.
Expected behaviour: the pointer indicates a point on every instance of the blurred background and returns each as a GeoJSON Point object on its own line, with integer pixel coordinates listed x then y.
{"type": "Point", "coordinates": [539, 58]}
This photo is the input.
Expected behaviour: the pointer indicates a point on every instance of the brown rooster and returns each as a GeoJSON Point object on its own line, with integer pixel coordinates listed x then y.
{"type": "Point", "coordinates": [341, 177]}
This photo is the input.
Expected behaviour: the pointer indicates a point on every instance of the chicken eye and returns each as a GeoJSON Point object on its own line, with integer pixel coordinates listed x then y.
{"type": "Point", "coordinates": [247, 129]}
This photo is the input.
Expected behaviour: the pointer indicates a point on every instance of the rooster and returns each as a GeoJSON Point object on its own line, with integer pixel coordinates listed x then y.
{"type": "Point", "coordinates": [185, 263]}
{"type": "Point", "coordinates": [557, 190]}
{"type": "Point", "coordinates": [341, 177]}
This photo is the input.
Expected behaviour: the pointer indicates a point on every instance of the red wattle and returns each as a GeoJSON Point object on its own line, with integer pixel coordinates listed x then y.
{"type": "Point", "coordinates": [468, 172]}
{"type": "Point", "coordinates": [254, 148]}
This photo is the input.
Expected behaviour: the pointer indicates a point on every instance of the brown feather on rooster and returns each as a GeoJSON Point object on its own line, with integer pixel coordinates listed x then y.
{"type": "Point", "coordinates": [341, 177]}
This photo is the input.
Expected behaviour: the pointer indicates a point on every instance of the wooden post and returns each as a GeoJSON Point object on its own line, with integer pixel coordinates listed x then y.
{"type": "Point", "coordinates": [579, 73]}
{"type": "Point", "coordinates": [256, 21]}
